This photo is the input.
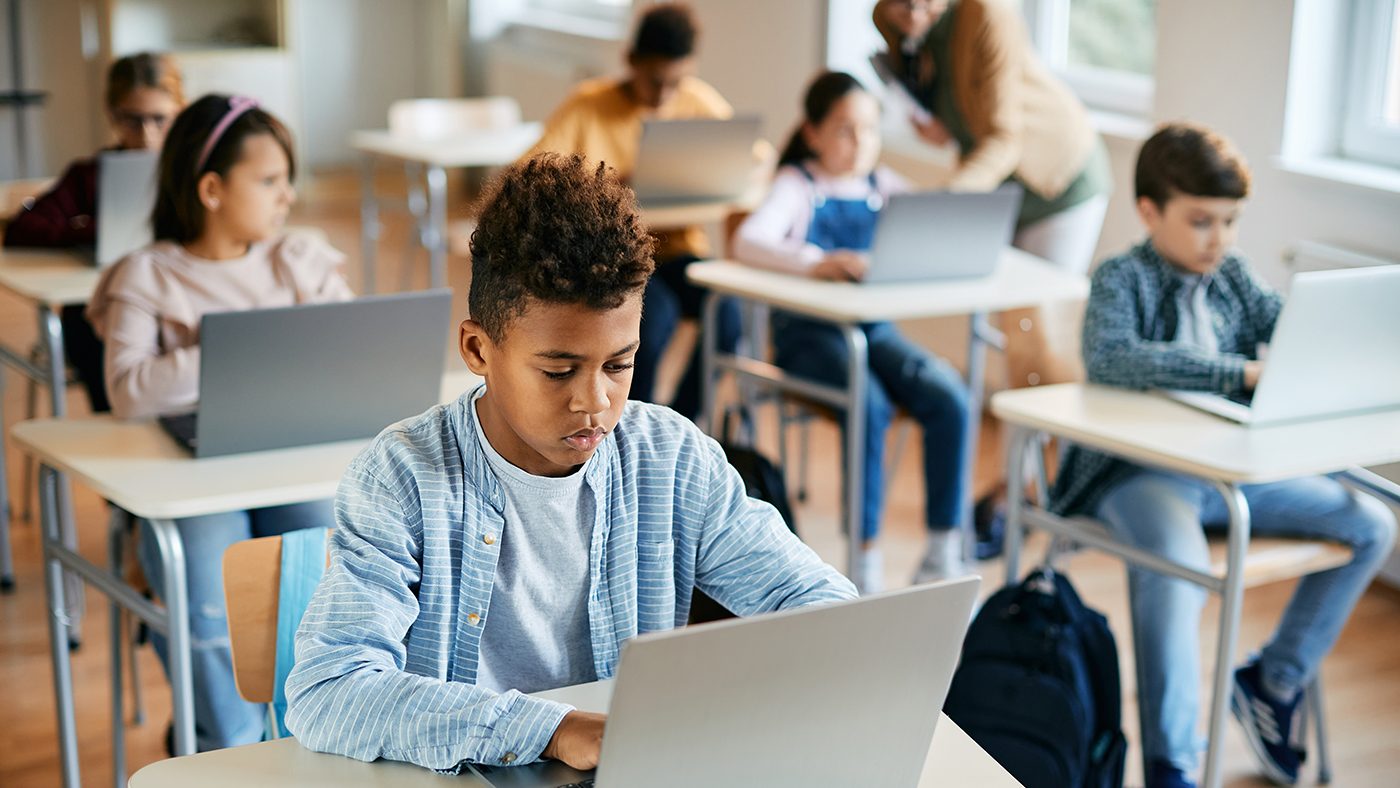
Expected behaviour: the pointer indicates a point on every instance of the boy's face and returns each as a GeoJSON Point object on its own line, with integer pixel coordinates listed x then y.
{"type": "Point", "coordinates": [653, 81]}
{"type": "Point", "coordinates": [1193, 233]}
{"type": "Point", "coordinates": [557, 382]}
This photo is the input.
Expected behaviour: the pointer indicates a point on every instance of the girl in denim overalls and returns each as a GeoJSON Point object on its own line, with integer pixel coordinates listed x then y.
{"type": "Point", "coordinates": [818, 220]}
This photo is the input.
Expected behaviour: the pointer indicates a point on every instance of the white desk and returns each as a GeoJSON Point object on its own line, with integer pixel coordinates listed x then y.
{"type": "Point", "coordinates": [954, 759]}
{"type": "Point", "coordinates": [1149, 429]}
{"type": "Point", "coordinates": [1020, 280]}
{"type": "Point", "coordinates": [50, 280]}
{"type": "Point", "coordinates": [141, 470]}
{"type": "Point", "coordinates": [483, 149]}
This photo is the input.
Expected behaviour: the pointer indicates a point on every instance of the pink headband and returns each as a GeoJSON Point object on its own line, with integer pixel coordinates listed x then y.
{"type": "Point", "coordinates": [237, 105]}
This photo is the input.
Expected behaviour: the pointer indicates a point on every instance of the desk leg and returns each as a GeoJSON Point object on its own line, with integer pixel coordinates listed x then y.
{"type": "Point", "coordinates": [7, 564]}
{"type": "Point", "coordinates": [1230, 601]}
{"type": "Point", "coordinates": [857, 368]}
{"type": "Point", "coordinates": [115, 539]}
{"type": "Point", "coordinates": [1015, 499]}
{"type": "Point", "coordinates": [58, 627]}
{"type": "Point", "coordinates": [172, 558]}
{"type": "Point", "coordinates": [977, 329]}
{"type": "Point", "coordinates": [51, 329]}
{"type": "Point", "coordinates": [436, 235]}
{"type": "Point", "coordinates": [369, 225]}
{"type": "Point", "coordinates": [708, 348]}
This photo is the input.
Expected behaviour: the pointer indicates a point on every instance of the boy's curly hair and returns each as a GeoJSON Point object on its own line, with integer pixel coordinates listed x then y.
{"type": "Point", "coordinates": [556, 229]}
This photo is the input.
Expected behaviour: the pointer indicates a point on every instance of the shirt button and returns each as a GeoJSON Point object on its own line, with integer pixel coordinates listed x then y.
{"type": "Point", "coordinates": [473, 618]}
{"type": "Point", "coordinates": [489, 538]}
{"type": "Point", "coordinates": [508, 758]}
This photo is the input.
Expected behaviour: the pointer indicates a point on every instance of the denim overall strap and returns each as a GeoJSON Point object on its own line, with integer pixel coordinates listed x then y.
{"type": "Point", "coordinates": [844, 223]}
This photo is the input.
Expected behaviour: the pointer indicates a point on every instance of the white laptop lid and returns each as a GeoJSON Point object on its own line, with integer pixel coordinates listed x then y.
{"type": "Point", "coordinates": [795, 698]}
{"type": "Point", "coordinates": [1335, 348]}
{"type": "Point", "coordinates": [695, 160]}
{"type": "Point", "coordinates": [942, 235]}
{"type": "Point", "coordinates": [126, 193]}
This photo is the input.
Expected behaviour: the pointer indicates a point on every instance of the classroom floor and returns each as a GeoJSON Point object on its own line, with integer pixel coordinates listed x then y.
{"type": "Point", "coordinates": [1361, 676]}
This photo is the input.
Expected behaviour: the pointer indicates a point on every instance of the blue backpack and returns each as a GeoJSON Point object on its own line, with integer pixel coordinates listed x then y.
{"type": "Point", "coordinates": [1038, 687]}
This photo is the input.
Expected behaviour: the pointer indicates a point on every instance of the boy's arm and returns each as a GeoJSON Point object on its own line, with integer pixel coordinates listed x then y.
{"type": "Point", "coordinates": [1116, 354]}
{"type": "Point", "coordinates": [349, 692]}
{"type": "Point", "coordinates": [747, 558]}
{"type": "Point", "coordinates": [1263, 304]}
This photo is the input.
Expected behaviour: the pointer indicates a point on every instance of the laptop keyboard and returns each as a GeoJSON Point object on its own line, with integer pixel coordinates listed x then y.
{"type": "Point", "coordinates": [183, 428]}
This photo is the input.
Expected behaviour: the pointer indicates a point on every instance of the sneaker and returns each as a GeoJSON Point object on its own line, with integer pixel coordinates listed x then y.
{"type": "Point", "coordinates": [1162, 774]}
{"type": "Point", "coordinates": [1268, 725]}
{"type": "Point", "coordinates": [872, 571]}
{"type": "Point", "coordinates": [943, 558]}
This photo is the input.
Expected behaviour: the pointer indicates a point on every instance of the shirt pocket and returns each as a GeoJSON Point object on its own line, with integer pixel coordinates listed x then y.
{"type": "Point", "coordinates": [656, 586]}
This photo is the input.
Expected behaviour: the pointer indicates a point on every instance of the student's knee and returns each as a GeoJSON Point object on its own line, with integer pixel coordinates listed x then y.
{"type": "Point", "coordinates": [1372, 531]}
{"type": "Point", "coordinates": [1159, 513]}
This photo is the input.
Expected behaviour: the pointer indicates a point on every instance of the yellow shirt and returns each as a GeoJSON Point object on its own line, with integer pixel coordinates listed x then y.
{"type": "Point", "coordinates": [601, 122]}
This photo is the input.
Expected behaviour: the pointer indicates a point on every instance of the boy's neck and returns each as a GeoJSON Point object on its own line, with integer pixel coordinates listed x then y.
{"type": "Point", "coordinates": [505, 442]}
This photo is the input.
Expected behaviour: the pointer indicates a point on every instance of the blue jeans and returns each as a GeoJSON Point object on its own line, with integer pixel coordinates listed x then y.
{"type": "Point", "coordinates": [221, 717]}
{"type": "Point", "coordinates": [668, 298]}
{"type": "Point", "coordinates": [901, 374]}
{"type": "Point", "coordinates": [1164, 513]}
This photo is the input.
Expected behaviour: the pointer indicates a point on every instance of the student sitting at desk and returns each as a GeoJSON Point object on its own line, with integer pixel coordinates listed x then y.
{"type": "Point", "coordinates": [1183, 310]}
{"type": "Point", "coordinates": [511, 541]}
{"type": "Point", "coordinates": [819, 220]}
{"type": "Point", "coordinates": [602, 119]}
{"type": "Point", "coordinates": [144, 93]}
{"type": "Point", "coordinates": [225, 189]}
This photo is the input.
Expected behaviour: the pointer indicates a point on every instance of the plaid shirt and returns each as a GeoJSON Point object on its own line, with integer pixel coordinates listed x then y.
{"type": "Point", "coordinates": [1129, 327]}
{"type": "Point", "coordinates": [387, 653]}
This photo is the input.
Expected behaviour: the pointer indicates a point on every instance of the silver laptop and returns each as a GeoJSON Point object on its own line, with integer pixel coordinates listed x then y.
{"type": "Point", "coordinates": [694, 160]}
{"type": "Point", "coordinates": [126, 193]}
{"type": "Point", "coordinates": [1335, 350]}
{"type": "Point", "coordinates": [942, 235]}
{"type": "Point", "coordinates": [842, 694]}
{"type": "Point", "coordinates": [301, 375]}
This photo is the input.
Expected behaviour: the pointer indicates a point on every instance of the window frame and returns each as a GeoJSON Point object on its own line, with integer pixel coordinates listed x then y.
{"type": "Point", "coordinates": [1374, 44]}
{"type": "Point", "coordinates": [1102, 89]}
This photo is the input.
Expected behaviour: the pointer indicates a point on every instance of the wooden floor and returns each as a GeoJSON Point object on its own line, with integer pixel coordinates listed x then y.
{"type": "Point", "coordinates": [1362, 676]}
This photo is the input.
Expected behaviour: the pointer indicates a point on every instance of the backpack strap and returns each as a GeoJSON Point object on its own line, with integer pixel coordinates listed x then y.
{"type": "Point", "coordinates": [303, 564]}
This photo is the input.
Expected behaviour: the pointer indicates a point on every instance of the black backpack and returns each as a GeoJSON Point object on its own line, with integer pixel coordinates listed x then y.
{"type": "Point", "coordinates": [762, 480]}
{"type": "Point", "coordinates": [1038, 687]}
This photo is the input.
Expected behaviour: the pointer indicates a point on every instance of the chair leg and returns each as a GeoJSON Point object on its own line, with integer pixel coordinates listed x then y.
{"type": "Point", "coordinates": [31, 411]}
{"type": "Point", "coordinates": [1319, 718]}
{"type": "Point", "coordinates": [804, 434]}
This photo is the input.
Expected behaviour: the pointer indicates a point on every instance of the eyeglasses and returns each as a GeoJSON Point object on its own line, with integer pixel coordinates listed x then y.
{"type": "Point", "coordinates": [136, 121]}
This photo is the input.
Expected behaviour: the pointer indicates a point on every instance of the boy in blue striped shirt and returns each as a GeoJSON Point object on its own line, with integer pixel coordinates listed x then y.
{"type": "Point", "coordinates": [1183, 310]}
{"type": "Point", "coordinates": [511, 541]}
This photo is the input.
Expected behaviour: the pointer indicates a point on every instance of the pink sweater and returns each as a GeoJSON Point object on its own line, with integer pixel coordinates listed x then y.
{"type": "Point", "coordinates": [147, 310]}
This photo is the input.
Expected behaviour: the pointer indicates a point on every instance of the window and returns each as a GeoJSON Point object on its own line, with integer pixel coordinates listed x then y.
{"type": "Point", "coordinates": [1371, 120]}
{"type": "Point", "coordinates": [1104, 49]}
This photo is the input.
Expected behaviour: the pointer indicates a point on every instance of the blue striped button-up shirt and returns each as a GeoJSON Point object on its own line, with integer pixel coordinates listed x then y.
{"type": "Point", "coordinates": [387, 651]}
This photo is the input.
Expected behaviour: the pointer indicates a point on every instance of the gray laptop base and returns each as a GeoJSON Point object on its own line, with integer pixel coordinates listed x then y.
{"type": "Point", "coordinates": [928, 236]}
{"type": "Point", "coordinates": [302, 375]}
{"type": "Point", "coordinates": [840, 694]}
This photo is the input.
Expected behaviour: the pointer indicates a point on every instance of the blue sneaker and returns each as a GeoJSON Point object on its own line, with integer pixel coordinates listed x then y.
{"type": "Point", "coordinates": [1162, 774]}
{"type": "Point", "coordinates": [1269, 726]}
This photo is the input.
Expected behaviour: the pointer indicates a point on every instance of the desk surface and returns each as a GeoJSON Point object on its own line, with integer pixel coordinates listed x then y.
{"type": "Point", "coordinates": [953, 759]}
{"type": "Point", "coordinates": [56, 277]}
{"type": "Point", "coordinates": [140, 468]}
{"type": "Point", "coordinates": [1020, 280]}
{"type": "Point", "coordinates": [481, 149]}
{"type": "Point", "coordinates": [1149, 428]}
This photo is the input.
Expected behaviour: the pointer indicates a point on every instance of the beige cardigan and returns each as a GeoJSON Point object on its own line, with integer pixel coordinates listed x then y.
{"type": "Point", "coordinates": [1024, 121]}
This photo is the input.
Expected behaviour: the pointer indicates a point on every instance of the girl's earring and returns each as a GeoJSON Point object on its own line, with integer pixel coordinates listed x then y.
{"type": "Point", "coordinates": [213, 205]}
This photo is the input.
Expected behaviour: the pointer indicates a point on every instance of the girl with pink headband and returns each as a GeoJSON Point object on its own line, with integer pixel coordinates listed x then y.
{"type": "Point", "coordinates": [225, 190]}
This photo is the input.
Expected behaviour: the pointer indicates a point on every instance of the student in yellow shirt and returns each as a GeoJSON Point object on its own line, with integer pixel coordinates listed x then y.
{"type": "Point", "coordinates": [602, 119]}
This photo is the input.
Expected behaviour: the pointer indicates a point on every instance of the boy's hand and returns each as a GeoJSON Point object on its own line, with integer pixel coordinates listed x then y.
{"type": "Point", "coordinates": [1252, 369]}
{"type": "Point", "coordinates": [841, 265]}
{"type": "Point", "coordinates": [578, 739]}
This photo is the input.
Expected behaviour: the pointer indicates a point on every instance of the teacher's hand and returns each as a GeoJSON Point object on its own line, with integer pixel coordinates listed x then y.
{"type": "Point", "coordinates": [932, 131]}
